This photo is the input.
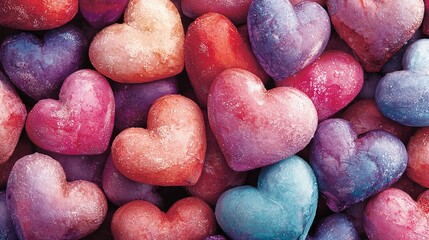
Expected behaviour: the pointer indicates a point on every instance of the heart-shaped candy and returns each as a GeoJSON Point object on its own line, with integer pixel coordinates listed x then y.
{"type": "Point", "coordinates": [283, 205]}
{"type": "Point", "coordinates": [7, 229]}
{"type": "Point", "coordinates": [81, 122]}
{"type": "Point", "coordinates": [350, 169]}
{"type": "Point", "coordinates": [335, 226]}
{"type": "Point", "coordinates": [100, 13]}
{"type": "Point", "coordinates": [375, 30]}
{"type": "Point", "coordinates": [418, 153]}
{"type": "Point", "coordinates": [38, 68]}
{"type": "Point", "coordinates": [12, 118]}
{"type": "Point", "coordinates": [170, 152]}
{"type": "Point", "coordinates": [212, 45]}
{"type": "Point", "coordinates": [287, 38]}
{"type": "Point", "coordinates": [255, 127]}
{"type": "Point", "coordinates": [393, 214]}
{"type": "Point", "coordinates": [36, 15]}
{"type": "Point", "coordinates": [147, 47]}
{"type": "Point", "coordinates": [188, 218]}
{"type": "Point", "coordinates": [332, 81]}
{"type": "Point", "coordinates": [45, 206]}
{"type": "Point", "coordinates": [403, 95]}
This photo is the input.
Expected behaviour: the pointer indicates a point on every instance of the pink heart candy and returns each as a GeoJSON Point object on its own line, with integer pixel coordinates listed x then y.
{"type": "Point", "coordinates": [80, 122]}
{"type": "Point", "coordinates": [255, 127]}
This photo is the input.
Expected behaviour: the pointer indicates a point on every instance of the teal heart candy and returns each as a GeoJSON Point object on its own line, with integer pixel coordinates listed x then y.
{"type": "Point", "coordinates": [282, 206]}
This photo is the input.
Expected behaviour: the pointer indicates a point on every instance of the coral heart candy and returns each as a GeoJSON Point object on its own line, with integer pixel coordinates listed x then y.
{"type": "Point", "coordinates": [375, 30]}
{"type": "Point", "coordinates": [170, 152]}
{"type": "Point", "coordinates": [148, 46]}
{"type": "Point", "coordinates": [45, 206]}
{"type": "Point", "coordinates": [255, 127]}
{"type": "Point", "coordinates": [188, 218]}
{"type": "Point", "coordinates": [80, 122]}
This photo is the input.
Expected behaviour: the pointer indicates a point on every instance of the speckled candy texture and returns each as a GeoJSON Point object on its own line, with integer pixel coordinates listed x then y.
{"type": "Point", "coordinates": [282, 206]}
{"type": "Point", "coordinates": [133, 101]}
{"type": "Point", "coordinates": [375, 30]}
{"type": "Point", "coordinates": [12, 118]}
{"type": "Point", "coordinates": [37, 15]}
{"type": "Point", "coordinates": [80, 122]}
{"type": "Point", "coordinates": [334, 227]}
{"type": "Point", "coordinates": [213, 44]}
{"type": "Point", "coordinates": [277, 31]}
{"type": "Point", "coordinates": [45, 206]}
{"type": "Point", "coordinates": [418, 153]}
{"type": "Point", "coordinates": [393, 214]}
{"type": "Point", "coordinates": [402, 95]}
{"type": "Point", "coordinates": [170, 151]}
{"type": "Point", "coordinates": [255, 127]}
{"type": "Point", "coordinates": [7, 229]}
{"type": "Point", "coordinates": [349, 168]}
{"type": "Point", "coordinates": [188, 218]}
{"type": "Point", "coordinates": [101, 13]}
{"type": "Point", "coordinates": [332, 81]}
{"type": "Point", "coordinates": [39, 67]}
{"type": "Point", "coordinates": [148, 46]}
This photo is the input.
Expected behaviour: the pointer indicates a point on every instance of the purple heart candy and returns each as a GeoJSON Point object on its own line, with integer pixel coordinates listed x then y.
{"type": "Point", "coordinates": [287, 38]}
{"type": "Point", "coordinates": [37, 67]}
{"type": "Point", "coordinates": [350, 169]}
{"type": "Point", "coordinates": [100, 13]}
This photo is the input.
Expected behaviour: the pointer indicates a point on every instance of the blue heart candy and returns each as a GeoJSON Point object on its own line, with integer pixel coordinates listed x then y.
{"type": "Point", "coordinates": [403, 96]}
{"type": "Point", "coordinates": [350, 169]}
{"type": "Point", "coordinates": [336, 227]}
{"type": "Point", "coordinates": [287, 38]}
{"type": "Point", "coordinates": [283, 206]}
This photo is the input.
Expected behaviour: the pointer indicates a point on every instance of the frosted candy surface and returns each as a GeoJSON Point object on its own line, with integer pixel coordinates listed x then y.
{"type": "Point", "coordinates": [349, 168]}
{"type": "Point", "coordinates": [418, 152]}
{"type": "Point", "coordinates": [7, 229]}
{"type": "Point", "coordinates": [147, 47]}
{"type": "Point", "coordinates": [39, 197]}
{"type": "Point", "coordinates": [255, 127]}
{"type": "Point", "coordinates": [282, 206]}
{"type": "Point", "coordinates": [101, 13]}
{"type": "Point", "coordinates": [39, 67]}
{"type": "Point", "coordinates": [334, 227]}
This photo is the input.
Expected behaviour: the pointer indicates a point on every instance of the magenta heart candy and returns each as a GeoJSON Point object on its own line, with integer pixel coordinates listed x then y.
{"type": "Point", "coordinates": [45, 206]}
{"type": "Point", "coordinates": [100, 13]}
{"type": "Point", "coordinates": [81, 122]}
{"type": "Point", "coordinates": [255, 127]}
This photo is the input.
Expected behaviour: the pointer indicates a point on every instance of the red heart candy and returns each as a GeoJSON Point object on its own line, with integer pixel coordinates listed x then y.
{"type": "Point", "coordinates": [255, 127]}
{"type": "Point", "coordinates": [418, 153]}
{"type": "Point", "coordinates": [331, 82]}
{"type": "Point", "coordinates": [37, 15]}
{"type": "Point", "coordinates": [375, 30]}
{"type": "Point", "coordinates": [12, 118]}
{"type": "Point", "coordinates": [170, 152]}
{"type": "Point", "coordinates": [147, 47]}
{"type": "Point", "coordinates": [212, 45]}
{"type": "Point", "coordinates": [81, 122]}
{"type": "Point", "coordinates": [393, 214]}
{"type": "Point", "coordinates": [44, 206]}
{"type": "Point", "coordinates": [188, 218]}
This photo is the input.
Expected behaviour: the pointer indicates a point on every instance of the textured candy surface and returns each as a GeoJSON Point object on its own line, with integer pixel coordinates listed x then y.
{"type": "Point", "coordinates": [255, 127]}
{"type": "Point", "coordinates": [101, 13]}
{"type": "Point", "coordinates": [334, 227]}
{"type": "Point", "coordinates": [133, 101]}
{"type": "Point", "coordinates": [332, 81]}
{"type": "Point", "coordinates": [212, 45]}
{"type": "Point", "coordinates": [80, 122]}
{"type": "Point", "coordinates": [375, 30]}
{"type": "Point", "coordinates": [37, 15]}
{"type": "Point", "coordinates": [234, 10]}
{"type": "Point", "coordinates": [7, 229]}
{"type": "Point", "coordinates": [349, 168]}
{"type": "Point", "coordinates": [170, 152]}
{"type": "Point", "coordinates": [282, 206]}
{"type": "Point", "coordinates": [45, 206]}
{"type": "Point", "coordinates": [39, 67]}
{"type": "Point", "coordinates": [287, 38]}
{"type": "Point", "coordinates": [393, 214]}
{"type": "Point", "coordinates": [148, 46]}
{"type": "Point", "coordinates": [12, 118]}
{"type": "Point", "coordinates": [418, 152]}
{"type": "Point", "coordinates": [188, 218]}
{"type": "Point", "coordinates": [120, 190]}
{"type": "Point", "coordinates": [402, 95]}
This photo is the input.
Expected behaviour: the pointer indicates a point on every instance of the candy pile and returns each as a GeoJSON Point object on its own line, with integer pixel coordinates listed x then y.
{"type": "Point", "coordinates": [226, 119]}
